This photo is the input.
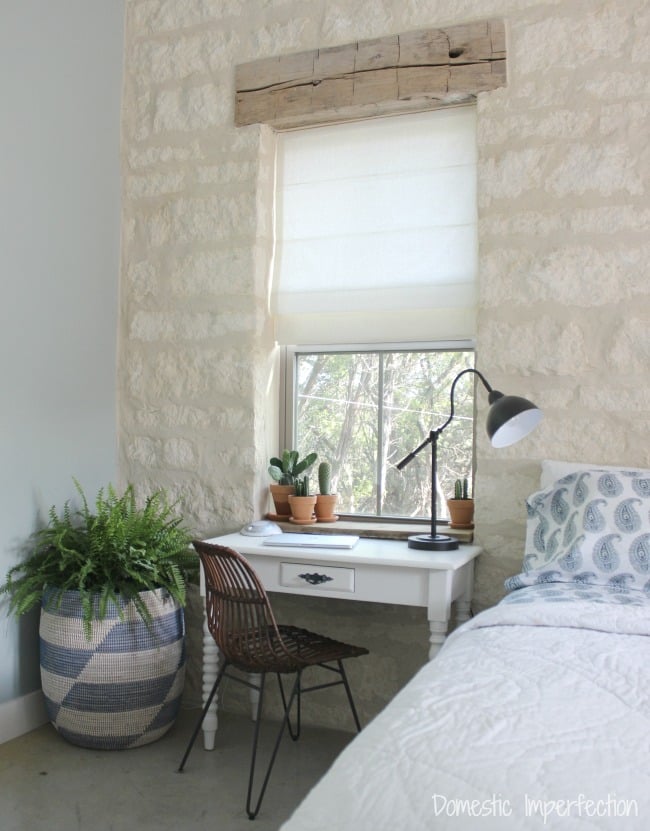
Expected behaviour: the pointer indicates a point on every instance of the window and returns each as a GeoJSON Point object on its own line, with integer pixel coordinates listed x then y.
{"type": "Point", "coordinates": [364, 410]}
{"type": "Point", "coordinates": [376, 246]}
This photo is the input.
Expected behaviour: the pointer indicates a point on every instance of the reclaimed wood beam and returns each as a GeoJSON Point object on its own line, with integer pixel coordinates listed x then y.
{"type": "Point", "coordinates": [412, 71]}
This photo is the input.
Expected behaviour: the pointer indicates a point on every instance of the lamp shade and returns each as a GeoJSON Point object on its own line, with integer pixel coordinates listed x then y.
{"type": "Point", "coordinates": [510, 418]}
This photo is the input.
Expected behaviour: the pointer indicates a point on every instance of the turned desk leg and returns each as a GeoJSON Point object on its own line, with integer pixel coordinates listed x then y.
{"type": "Point", "coordinates": [463, 611]}
{"type": "Point", "coordinates": [439, 607]}
{"type": "Point", "coordinates": [463, 602]}
{"type": "Point", "coordinates": [210, 669]}
{"type": "Point", "coordinates": [437, 635]}
{"type": "Point", "coordinates": [444, 588]}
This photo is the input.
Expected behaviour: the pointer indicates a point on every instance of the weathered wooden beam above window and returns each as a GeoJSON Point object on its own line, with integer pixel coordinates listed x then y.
{"type": "Point", "coordinates": [418, 70]}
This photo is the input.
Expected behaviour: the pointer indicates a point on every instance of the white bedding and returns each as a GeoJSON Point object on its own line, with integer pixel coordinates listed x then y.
{"type": "Point", "coordinates": [531, 710]}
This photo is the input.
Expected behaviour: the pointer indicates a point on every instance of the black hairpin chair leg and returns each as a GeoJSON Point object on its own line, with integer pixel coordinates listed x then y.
{"type": "Point", "coordinates": [295, 735]}
{"type": "Point", "coordinates": [344, 680]}
{"type": "Point", "coordinates": [295, 691]}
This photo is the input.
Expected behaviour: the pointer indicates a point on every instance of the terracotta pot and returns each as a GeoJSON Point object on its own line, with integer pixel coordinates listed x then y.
{"type": "Point", "coordinates": [461, 512]}
{"type": "Point", "coordinates": [302, 508]}
{"type": "Point", "coordinates": [325, 507]}
{"type": "Point", "coordinates": [280, 494]}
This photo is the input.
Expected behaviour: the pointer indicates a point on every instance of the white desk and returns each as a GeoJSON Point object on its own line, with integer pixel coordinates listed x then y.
{"type": "Point", "coordinates": [374, 571]}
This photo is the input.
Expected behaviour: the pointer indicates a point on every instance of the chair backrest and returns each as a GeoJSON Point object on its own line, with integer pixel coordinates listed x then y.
{"type": "Point", "coordinates": [239, 614]}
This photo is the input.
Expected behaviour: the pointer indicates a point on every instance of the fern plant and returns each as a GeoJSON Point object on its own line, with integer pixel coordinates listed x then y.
{"type": "Point", "coordinates": [108, 555]}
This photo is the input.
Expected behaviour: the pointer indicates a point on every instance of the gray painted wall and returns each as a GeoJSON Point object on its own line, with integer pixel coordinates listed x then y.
{"type": "Point", "coordinates": [60, 88]}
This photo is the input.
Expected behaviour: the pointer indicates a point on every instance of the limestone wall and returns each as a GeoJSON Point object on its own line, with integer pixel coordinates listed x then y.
{"type": "Point", "coordinates": [564, 290]}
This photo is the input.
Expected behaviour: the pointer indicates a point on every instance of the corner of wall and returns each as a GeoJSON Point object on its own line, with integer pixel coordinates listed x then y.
{"type": "Point", "coordinates": [21, 715]}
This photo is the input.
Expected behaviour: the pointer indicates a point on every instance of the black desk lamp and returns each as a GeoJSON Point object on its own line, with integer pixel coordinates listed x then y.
{"type": "Point", "coordinates": [509, 419]}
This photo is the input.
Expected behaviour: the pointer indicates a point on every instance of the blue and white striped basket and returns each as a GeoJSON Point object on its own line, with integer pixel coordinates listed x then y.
{"type": "Point", "coordinates": [123, 687]}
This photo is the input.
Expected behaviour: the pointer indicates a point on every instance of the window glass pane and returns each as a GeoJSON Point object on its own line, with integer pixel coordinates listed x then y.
{"type": "Point", "coordinates": [364, 411]}
{"type": "Point", "coordinates": [337, 417]}
{"type": "Point", "coordinates": [421, 403]}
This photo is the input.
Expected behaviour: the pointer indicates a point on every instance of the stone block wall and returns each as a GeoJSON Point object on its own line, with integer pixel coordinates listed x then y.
{"type": "Point", "coordinates": [564, 287]}
{"type": "Point", "coordinates": [564, 291]}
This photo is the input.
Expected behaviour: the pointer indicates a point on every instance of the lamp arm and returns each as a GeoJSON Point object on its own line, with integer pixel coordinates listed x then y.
{"type": "Point", "coordinates": [407, 459]}
{"type": "Point", "coordinates": [492, 394]}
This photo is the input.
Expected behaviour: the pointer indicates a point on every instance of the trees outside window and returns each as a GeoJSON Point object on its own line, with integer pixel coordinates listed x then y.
{"type": "Point", "coordinates": [365, 410]}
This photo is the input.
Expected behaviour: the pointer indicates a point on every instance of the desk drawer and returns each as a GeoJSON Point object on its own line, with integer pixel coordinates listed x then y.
{"type": "Point", "coordinates": [317, 577]}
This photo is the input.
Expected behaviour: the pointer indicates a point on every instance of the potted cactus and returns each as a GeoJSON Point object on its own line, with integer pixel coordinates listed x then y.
{"type": "Point", "coordinates": [285, 471]}
{"type": "Point", "coordinates": [302, 503]}
{"type": "Point", "coordinates": [461, 506]}
{"type": "Point", "coordinates": [325, 500]}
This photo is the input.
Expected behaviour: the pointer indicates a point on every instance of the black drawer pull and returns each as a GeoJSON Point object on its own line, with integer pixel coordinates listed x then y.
{"type": "Point", "coordinates": [315, 579]}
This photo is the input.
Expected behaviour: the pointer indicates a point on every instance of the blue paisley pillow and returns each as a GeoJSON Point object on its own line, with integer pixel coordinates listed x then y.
{"type": "Point", "coordinates": [590, 527]}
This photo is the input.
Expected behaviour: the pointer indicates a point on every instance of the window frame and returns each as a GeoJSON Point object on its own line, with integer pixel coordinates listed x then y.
{"type": "Point", "coordinates": [288, 403]}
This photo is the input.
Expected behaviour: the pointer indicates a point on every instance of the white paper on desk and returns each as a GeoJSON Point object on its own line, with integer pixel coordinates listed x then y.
{"type": "Point", "coordinates": [312, 540]}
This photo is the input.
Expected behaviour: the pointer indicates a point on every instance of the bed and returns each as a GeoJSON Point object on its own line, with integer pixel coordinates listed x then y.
{"type": "Point", "coordinates": [535, 713]}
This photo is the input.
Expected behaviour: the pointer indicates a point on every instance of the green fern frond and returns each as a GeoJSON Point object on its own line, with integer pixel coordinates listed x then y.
{"type": "Point", "coordinates": [87, 612]}
{"type": "Point", "coordinates": [113, 553]}
{"type": "Point", "coordinates": [141, 608]}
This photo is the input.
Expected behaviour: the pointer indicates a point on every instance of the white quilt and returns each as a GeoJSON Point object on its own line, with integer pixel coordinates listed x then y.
{"type": "Point", "coordinates": [535, 714]}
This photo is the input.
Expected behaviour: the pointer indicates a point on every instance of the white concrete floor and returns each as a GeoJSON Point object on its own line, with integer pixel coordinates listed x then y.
{"type": "Point", "coordinates": [47, 783]}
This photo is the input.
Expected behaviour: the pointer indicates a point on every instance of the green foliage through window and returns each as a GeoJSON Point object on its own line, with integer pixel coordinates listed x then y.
{"type": "Point", "coordinates": [364, 411]}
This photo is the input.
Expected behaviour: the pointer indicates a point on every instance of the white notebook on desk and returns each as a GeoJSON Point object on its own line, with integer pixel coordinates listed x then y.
{"type": "Point", "coordinates": [312, 540]}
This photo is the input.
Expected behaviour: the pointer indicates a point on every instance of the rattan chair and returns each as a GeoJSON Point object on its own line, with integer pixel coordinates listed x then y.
{"type": "Point", "coordinates": [241, 622]}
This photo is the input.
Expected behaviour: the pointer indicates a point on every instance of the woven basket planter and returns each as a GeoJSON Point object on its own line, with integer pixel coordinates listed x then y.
{"type": "Point", "coordinates": [123, 687]}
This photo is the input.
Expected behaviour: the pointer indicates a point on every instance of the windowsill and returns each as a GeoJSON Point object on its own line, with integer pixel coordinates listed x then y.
{"type": "Point", "coordinates": [377, 529]}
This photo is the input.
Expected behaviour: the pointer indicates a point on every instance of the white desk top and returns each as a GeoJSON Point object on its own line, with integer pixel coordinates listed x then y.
{"type": "Point", "coordinates": [370, 551]}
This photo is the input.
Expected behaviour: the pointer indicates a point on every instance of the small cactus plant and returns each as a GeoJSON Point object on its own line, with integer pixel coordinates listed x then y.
{"type": "Point", "coordinates": [325, 478]}
{"type": "Point", "coordinates": [302, 486]}
{"type": "Point", "coordinates": [461, 489]}
{"type": "Point", "coordinates": [461, 506]}
{"type": "Point", "coordinates": [325, 500]}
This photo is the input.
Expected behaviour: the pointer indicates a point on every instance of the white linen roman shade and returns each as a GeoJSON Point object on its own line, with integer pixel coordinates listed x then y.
{"type": "Point", "coordinates": [376, 231]}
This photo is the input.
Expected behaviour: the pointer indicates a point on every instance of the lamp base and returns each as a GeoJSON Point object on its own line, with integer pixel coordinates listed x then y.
{"type": "Point", "coordinates": [428, 543]}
